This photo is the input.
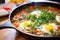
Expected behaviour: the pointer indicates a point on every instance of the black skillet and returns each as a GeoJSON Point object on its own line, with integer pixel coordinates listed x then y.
{"type": "Point", "coordinates": [32, 36]}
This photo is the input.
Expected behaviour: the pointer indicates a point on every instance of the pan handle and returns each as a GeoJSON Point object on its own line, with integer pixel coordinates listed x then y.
{"type": "Point", "coordinates": [5, 27]}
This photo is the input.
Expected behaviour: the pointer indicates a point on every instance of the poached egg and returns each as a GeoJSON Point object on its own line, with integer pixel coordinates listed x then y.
{"type": "Point", "coordinates": [48, 27]}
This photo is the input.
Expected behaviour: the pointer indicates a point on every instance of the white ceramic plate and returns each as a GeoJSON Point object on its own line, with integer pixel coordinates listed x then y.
{"type": "Point", "coordinates": [4, 9]}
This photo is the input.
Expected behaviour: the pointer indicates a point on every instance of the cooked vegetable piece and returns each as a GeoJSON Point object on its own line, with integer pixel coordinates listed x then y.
{"type": "Point", "coordinates": [52, 32]}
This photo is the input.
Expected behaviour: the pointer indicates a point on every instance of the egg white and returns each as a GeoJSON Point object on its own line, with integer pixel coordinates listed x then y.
{"type": "Point", "coordinates": [58, 19]}
{"type": "Point", "coordinates": [22, 25]}
{"type": "Point", "coordinates": [43, 28]}
{"type": "Point", "coordinates": [36, 12]}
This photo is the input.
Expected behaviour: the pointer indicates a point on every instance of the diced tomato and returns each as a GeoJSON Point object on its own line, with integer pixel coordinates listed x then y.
{"type": "Point", "coordinates": [15, 24]}
{"type": "Point", "coordinates": [25, 12]}
{"type": "Point", "coordinates": [17, 16]}
{"type": "Point", "coordinates": [32, 7]}
{"type": "Point", "coordinates": [55, 10]}
{"type": "Point", "coordinates": [42, 7]}
{"type": "Point", "coordinates": [30, 28]}
{"type": "Point", "coordinates": [37, 30]}
{"type": "Point", "coordinates": [58, 27]}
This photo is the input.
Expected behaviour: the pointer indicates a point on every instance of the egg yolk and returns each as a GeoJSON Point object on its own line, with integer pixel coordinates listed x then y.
{"type": "Point", "coordinates": [26, 23]}
{"type": "Point", "coordinates": [50, 27]}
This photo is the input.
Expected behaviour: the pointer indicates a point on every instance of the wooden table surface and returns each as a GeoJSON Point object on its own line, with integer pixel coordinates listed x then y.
{"type": "Point", "coordinates": [9, 34]}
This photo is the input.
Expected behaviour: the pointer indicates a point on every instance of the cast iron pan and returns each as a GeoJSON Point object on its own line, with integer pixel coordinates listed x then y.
{"type": "Point", "coordinates": [32, 36]}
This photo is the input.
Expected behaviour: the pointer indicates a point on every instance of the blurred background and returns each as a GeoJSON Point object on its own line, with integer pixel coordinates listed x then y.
{"type": "Point", "coordinates": [2, 1]}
